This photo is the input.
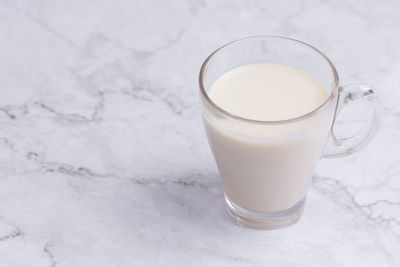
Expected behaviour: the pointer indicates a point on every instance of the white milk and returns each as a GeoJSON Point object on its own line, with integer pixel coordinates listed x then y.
{"type": "Point", "coordinates": [267, 168]}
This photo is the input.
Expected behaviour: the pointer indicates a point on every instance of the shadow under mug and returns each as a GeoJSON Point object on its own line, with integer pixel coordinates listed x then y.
{"type": "Point", "coordinates": [266, 166]}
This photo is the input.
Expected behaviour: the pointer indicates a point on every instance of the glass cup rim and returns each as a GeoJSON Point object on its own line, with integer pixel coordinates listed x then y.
{"type": "Point", "coordinates": [233, 116]}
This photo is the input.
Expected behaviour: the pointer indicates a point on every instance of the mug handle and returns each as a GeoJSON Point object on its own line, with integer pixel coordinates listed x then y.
{"type": "Point", "coordinates": [339, 147]}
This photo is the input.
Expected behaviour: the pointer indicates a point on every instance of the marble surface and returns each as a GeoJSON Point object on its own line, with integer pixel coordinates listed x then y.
{"type": "Point", "coordinates": [103, 159]}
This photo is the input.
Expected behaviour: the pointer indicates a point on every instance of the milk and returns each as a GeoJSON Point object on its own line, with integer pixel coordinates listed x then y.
{"type": "Point", "coordinates": [268, 92]}
{"type": "Point", "coordinates": [267, 167]}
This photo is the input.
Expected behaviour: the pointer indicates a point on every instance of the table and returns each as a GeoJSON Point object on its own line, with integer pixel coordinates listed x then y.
{"type": "Point", "coordinates": [104, 161]}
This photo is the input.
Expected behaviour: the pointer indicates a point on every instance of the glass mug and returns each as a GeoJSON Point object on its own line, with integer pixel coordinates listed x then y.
{"type": "Point", "coordinates": [266, 166]}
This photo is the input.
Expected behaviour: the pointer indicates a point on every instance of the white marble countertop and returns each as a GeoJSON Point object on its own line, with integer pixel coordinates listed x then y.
{"type": "Point", "coordinates": [104, 161]}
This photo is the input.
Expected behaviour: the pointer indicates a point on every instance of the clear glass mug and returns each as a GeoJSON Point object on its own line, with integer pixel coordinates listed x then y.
{"type": "Point", "coordinates": [266, 166]}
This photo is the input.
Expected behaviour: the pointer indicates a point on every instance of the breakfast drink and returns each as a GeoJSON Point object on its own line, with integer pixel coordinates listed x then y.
{"type": "Point", "coordinates": [266, 165]}
{"type": "Point", "coordinates": [269, 105]}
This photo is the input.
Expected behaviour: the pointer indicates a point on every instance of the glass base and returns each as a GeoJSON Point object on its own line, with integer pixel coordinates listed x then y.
{"type": "Point", "coordinates": [264, 220]}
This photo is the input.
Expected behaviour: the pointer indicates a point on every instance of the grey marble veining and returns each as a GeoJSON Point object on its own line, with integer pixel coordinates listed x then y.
{"type": "Point", "coordinates": [103, 159]}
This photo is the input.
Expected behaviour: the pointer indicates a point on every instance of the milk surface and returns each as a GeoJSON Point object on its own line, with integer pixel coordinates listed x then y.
{"type": "Point", "coordinates": [267, 92]}
{"type": "Point", "coordinates": [272, 173]}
